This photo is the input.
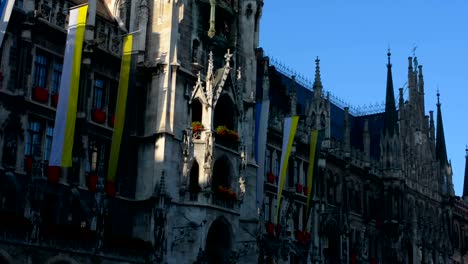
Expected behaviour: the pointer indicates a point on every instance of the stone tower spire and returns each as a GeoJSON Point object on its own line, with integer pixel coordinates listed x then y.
{"type": "Point", "coordinates": [411, 82]}
{"type": "Point", "coordinates": [465, 184]}
{"type": "Point", "coordinates": [317, 80]}
{"type": "Point", "coordinates": [390, 120]}
{"type": "Point", "coordinates": [317, 86]}
{"type": "Point", "coordinates": [441, 150]}
{"type": "Point", "coordinates": [389, 144]}
{"type": "Point", "coordinates": [441, 154]}
{"type": "Point", "coordinates": [421, 90]}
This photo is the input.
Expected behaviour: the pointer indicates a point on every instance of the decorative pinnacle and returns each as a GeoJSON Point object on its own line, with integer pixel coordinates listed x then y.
{"type": "Point", "coordinates": [210, 64]}
{"type": "Point", "coordinates": [317, 81]}
{"type": "Point", "coordinates": [466, 150]}
{"type": "Point", "coordinates": [210, 57]}
{"type": "Point", "coordinates": [438, 97]}
{"type": "Point", "coordinates": [228, 56]}
{"type": "Point", "coordinates": [388, 55]}
{"type": "Point", "coordinates": [199, 78]}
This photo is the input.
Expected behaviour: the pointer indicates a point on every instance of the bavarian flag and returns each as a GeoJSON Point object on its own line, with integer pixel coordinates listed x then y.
{"type": "Point", "coordinates": [289, 131]}
{"type": "Point", "coordinates": [64, 128]}
{"type": "Point", "coordinates": [6, 6]}
{"type": "Point", "coordinates": [122, 112]}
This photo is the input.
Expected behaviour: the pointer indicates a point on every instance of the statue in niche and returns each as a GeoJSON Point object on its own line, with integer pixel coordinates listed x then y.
{"type": "Point", "coordinates": [226, 29]}
{"type": "Point", "coordinates": [195, 51]}
{"type": "Point", "coordinates": [36, 222]}
{"type": "Point", "coordinates": [9, 149]}
{"type": "Point", "coordinates": [242, 187]}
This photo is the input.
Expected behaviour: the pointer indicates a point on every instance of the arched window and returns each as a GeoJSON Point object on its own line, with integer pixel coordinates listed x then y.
{"type": "Point", "coordinates": [221, 174]}
{"type": "Point", "coordinates": [218, 242]}
{"type": "Point", "coordinates": [225, 114]}
{"type": "Point", "coordinates": [196, 111]}
{"type": "Point", "coordinates": [194, 186]}
{"type": "Point", "coordinates": [195, 51]}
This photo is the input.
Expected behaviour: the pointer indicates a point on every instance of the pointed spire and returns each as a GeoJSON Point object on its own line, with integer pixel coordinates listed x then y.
{"type": "Point", "coordinates": [411, 80]}
{"type": "Point", "coordinates": [465, 184]}
{"type": "Point", "coordinates": [421, 89]}
{"type": "Point", "coordinates": [317, 80]}
{"type": "Point", "coordinates": [441, 150]}
{"type": "Point", "coordinates": [209, 73]}
{"type": "Point", "coordinates": [390, 121]}
{"type": "Point", "coordinates": [431, 132]}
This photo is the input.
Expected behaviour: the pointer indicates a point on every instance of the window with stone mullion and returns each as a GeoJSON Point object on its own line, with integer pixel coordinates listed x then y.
{"type": "Point", "coordinates": [40, 70]}
{"type": "Point", "coordinates": [56, 76]}
{"type": "Point", "coordinates": [48, 141]}
{"type": "Point", "coordinates": [33, 139]}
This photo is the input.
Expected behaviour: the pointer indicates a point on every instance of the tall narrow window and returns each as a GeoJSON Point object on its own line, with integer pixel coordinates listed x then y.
{"type": "Point", "coordinates": [56, 77]}
{"type": "Point", "coordinates": [40, 70]}
{"type": "Point", "coordinates": [277, 165]}
{"type": "Point", "coordinates": [268, 161]}
{"type": "Point", "coordinates": [196, 111]}
{"type": "Point", "coordinates": [33, 139]}
{"type": "Point", "coordinates": [94, 157]}
{"type": "Point", "coordinates": [48, 141]}
{"type": "Point", "coordinates": [99, 94]}
{"type": "Point", "coordinates": [267, 209]}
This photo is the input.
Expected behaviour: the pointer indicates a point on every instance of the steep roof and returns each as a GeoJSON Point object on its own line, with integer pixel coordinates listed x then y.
{"type": "Point", "coordinates": [465, 184]}
{"type": "Point", "coordinates": [441, 149]}
{"type": "Point", "coordinates": [390, 120]}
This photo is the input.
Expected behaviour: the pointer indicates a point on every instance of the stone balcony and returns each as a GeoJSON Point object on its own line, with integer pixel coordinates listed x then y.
{"type": "Point", "coordinates": [208, 198]}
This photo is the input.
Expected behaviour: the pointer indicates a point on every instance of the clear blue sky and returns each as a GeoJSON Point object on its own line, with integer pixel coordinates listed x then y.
{"type": "Point", "coordinates": [352, 37]}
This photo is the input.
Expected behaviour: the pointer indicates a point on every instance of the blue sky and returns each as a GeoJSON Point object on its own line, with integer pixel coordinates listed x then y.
{"type": "Point", "coordinates": [352, 37]}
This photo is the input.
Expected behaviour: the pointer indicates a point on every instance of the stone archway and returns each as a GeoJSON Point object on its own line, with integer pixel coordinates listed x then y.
{"type": "Point", "coordinates": [219, 242]}
{"type": "Point", "coordinates": [331, 231]}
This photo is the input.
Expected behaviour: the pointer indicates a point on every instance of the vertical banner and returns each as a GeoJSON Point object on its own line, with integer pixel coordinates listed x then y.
{"type": "Point", "coordinates": [261, 126]}
{"type": "Point", "coordinates": [314, 135]}
{"type": "Point", "coordinates": [289, 130]}
{"type": "Point", "coordinates": [64, 128]}
{"type": "Point", "coordinates": [6, 6]}
{"type": "Point", "coordinates": [126, 87]}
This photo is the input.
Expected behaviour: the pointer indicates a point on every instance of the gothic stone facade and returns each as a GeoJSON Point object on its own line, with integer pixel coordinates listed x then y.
{"type": "Point", "coordinates": [383, 189]}
{"type": "Point", "coordinates": [186, 190]}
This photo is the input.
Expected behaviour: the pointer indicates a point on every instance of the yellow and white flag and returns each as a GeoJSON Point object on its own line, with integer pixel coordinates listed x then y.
{"type": "Point", "coordinates": [125, 93]}
{"type": "Point", "coordinates": [64, 129]}
{"type": "Point", "coordinates": [314, 138]}
{"type": "Point", "coordinates": [289, 131]}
